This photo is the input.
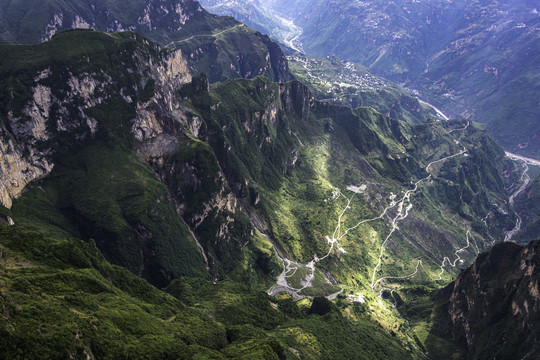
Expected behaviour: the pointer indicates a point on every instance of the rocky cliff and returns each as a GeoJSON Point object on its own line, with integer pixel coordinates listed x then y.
{"type": "Point", "coordinates": [492, 309]}
{"type": "Point", "coordinates": [88, 90]}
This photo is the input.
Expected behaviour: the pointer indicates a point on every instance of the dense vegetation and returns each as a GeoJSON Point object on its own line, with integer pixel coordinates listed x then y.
{"type": "Point", "coordinates": [205, 194]}
{"type": "Point", "coordinates": [61, 298]}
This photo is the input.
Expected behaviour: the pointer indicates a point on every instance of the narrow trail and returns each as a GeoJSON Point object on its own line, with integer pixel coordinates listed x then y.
{"type": "Point", "coordinates": [400, 216]}
{"type": "Point", "coordinates": [202, 35]}
{"type": "Point", "coordinates": [403, 207]}
{"type": "Point", "coordinates": [419, 263]}
{"type": "Point", "coordinates": [484, 221]}
{"type": "Point", "coordinates": [460, 129]}
{"type": "Point", "coordinates": [458, 258]}
{"type": "Point", "coordinates": [408, 330]}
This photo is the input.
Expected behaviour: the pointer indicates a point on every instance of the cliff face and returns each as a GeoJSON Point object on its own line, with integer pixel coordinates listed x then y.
{"type": "Point", "coordinates": [79, 109]}
{"type": "Point", "coordinates": [58, 105]}
{"type": "Point", "coordinates": [108, 119]}
{"type": "Point", "coordinates": [17, 169]}
{"type": "Point", "coordinates": [492, 309]}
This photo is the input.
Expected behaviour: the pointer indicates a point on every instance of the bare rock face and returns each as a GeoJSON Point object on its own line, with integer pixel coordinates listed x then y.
{"type": "Point", "coordinates": [152, 115]}
{"type": "Point", "coordinates": [493, 307]}
{"type": "Point", "coordinates": [23, 158]}
{"type": "Point", "coordinates": [22, 162]}
{"type": "Point", "coordinates": [27, 137]}
{"type": "Point", "coordinates": [18, 169]}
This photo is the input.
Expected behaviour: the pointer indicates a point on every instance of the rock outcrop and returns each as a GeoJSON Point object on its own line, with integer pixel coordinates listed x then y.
{"type": "Point", "coordinates": [492, 309]}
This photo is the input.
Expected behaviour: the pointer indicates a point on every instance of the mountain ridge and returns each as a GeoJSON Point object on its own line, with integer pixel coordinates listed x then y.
{"type": "Point", "coordinates": [219, 46]}
{"type": "Point", "coordinates": [490, 309]}
{"type": "Point", "coordinates": [473, 59]}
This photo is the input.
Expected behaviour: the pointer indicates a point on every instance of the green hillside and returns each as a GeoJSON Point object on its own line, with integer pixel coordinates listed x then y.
{"type": "Point", "coordinates": [62, 299]}
{"type": "Point", "coordinates": [284, 225]}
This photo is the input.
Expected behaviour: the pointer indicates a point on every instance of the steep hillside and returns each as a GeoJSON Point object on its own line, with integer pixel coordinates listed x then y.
{"type": "Point", "coordinates": [244, 152]}
{"type": "Point", "coordinates": [71, 117]}
{"type": "Point", "coordinates": [492, 309]}
{"type": "Point", "coordinates": [109, 138]}
{"type": "Point", "coordinates": [61, 299]}
{"type": "Point", "coordinates": [474, 59]}
{"type": "Point", "coordinates": [353, 194]}
{"type": "Point", "coordinates": [219, 46]}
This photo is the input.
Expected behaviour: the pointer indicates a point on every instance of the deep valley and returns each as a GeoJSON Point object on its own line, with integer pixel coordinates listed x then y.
{"type": "Point", "coordinates": [176, 185]}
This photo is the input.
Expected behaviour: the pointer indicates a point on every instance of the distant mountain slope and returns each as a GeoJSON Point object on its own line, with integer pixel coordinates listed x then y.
{"type": "Point", "coordinates": [218, 46]}
{"type": "Point", "coordinates": [259, 15]}
{"type": "Point", "coordinates": [527, 204]}
{"type": "Point", "coordinates": [474, 59]}
{"type": "Point", "coordinates": [349, 84]}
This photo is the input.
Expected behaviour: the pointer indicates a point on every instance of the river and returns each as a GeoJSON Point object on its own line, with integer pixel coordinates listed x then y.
{"type": "Point", "coordinates": [525, 178]}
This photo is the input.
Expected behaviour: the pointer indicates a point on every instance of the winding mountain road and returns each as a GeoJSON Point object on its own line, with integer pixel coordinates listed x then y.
{"type": "Point", "coordinates": [403, 206]}
{"type": "Point", "coordinates": [202, 35]}
{"type": "Point", "coordinates": [458, 257]}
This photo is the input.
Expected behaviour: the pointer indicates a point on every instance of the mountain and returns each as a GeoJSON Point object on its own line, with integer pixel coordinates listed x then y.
{"type": "Point", "coordinates": [262, 17]}
{"type": "Point", "coordinates": [526, 205]}
{"type": "Point", "coordinates": [474, 59]}
{"type": "Point", "coordinates": [330, 79]}
{"type": "Point", "coordinates": [283, 226]}
{"type": "Point", "coordinates": [214, 167]}
{"type": "Point", "coordinates": [94, 128]}
{"type": "Point", "coordinates": [61, 299]}
{"type": "Point", "coordinates": [344, 83]}
{"type": "Point", "coordinates": [74, 100]}
{"type": "Point", "coordinates": [491, 311]}
{"type": "Point", "coordinates": [221, 47]}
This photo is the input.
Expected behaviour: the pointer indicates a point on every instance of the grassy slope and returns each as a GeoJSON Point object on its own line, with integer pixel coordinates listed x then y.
{"type": "Point", "coordinates": [61, 298]}
{"type": "Point", "coordinates": [286, 155]}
